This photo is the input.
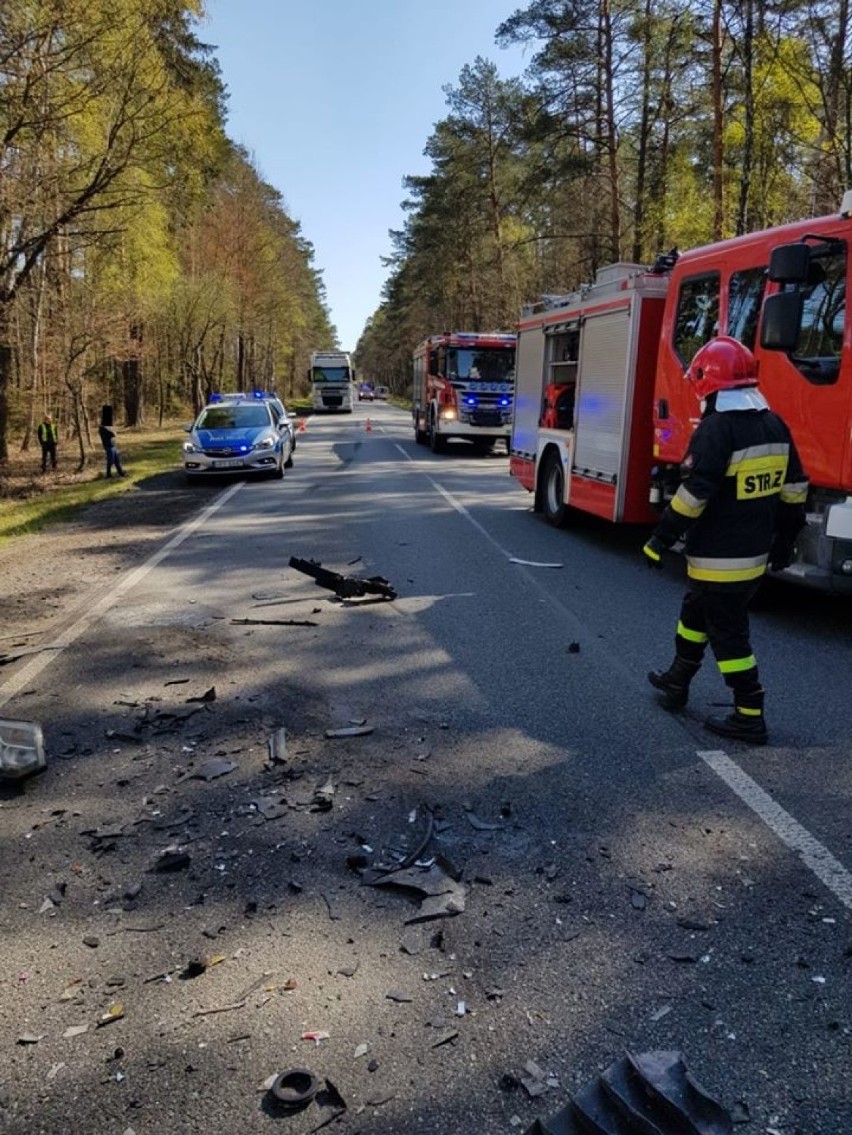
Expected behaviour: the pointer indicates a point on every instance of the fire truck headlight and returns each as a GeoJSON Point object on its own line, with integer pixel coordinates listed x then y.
{"type": "Point", "coordinates": [846, 567]}
{"type": "Point", "coordinates": [448, 414]}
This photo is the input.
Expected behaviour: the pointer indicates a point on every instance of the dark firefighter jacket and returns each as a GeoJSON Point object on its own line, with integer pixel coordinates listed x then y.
{"type": "Point", "coordinates": [743, 486]}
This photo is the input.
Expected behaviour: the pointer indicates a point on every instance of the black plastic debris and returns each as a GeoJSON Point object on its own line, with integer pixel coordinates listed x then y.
{"type": "Point", "coordinates": [344, 586]}
{"type": "Point", "coordinates": [277, 745]}
{"type": "Point", "coordinates": [208, 696]}
{"type": "Point", "coordinates": [212, 769]}
{"type": "Point", "coordinates": [294, 1089]}
{"type": "Point", "coordinates": [172, 859]}
{"type": "Point", "coordinates": [648, 1094]}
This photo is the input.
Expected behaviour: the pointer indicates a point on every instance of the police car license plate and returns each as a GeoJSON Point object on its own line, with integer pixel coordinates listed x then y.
{"type": "Point", "coordinates": [232, 463]}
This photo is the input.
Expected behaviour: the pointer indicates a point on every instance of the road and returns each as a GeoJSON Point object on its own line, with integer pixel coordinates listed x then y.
{"type": "Point", "coordinates": [627, 882]}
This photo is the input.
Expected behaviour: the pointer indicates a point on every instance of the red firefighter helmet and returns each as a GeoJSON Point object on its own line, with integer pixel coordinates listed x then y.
{"type": "Point", "coordinates": [722, 364]}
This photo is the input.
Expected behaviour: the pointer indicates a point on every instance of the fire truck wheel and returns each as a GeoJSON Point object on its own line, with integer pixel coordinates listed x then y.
{"type": "Point", "coordinates": [436, 442]}
{"type": "Point", "coordinates": [553, 491]}
{"type": "Point", "coordinates": [420, 436]}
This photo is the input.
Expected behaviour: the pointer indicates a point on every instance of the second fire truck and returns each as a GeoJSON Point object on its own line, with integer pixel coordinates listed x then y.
{"type": "Point", "coordinates": [603, 414]}
{"type": "Point", "coordinates": [464, 385]}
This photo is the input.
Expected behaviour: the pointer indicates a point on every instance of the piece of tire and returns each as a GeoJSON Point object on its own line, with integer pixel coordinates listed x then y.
{"type": "Point", "coordinates": [294, 1089]}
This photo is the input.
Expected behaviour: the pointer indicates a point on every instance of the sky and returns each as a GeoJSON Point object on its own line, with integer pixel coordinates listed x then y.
{"type": "Point", "coordinates": [335, 101]}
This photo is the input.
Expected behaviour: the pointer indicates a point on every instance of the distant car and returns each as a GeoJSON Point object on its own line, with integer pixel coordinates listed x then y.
{"type": "Point", "coordinates": [366, 392]}
{"type": "Point", "coordinates": [263, 396]}
{"type": "Point", "coordinates": [382, 393]}
{"type": "Point", "coordinates": [233, 436]}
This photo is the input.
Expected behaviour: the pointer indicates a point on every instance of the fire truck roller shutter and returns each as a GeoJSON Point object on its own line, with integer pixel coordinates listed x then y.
{"type": "Point", "coordinates": [602, 390]}
{"type": "Point", "coordinates": [528, 387]}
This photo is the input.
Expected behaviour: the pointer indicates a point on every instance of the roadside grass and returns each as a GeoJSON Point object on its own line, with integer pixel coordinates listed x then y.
{"type": "Point", "coordinates": [31, 501]}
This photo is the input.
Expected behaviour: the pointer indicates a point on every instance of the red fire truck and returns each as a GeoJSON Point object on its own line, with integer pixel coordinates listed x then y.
{"type": "Point", "coordinates": [603, 413]}
{"type": "Point", "coordinates": [464, 384]}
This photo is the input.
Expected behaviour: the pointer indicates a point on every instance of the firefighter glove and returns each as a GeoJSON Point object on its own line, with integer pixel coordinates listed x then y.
{"type": "Point", "coordinates": [781, 553]}
{"type": "Point", "coordinates": [654, 552]}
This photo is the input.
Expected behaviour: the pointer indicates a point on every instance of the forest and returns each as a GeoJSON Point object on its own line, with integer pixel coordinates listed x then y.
{"type": "Point", "coordinates": [639, 126]}
{"type": "Point", "coordinates": [145, 262]}
{"type": "Point", "coordinates": [143, 259]}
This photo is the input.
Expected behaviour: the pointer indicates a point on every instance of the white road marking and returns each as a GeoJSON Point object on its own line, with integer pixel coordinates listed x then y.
{"type": "Point", "coordinates": [26, 674]}
{"type": "Point", "coordinates": [812, 853]}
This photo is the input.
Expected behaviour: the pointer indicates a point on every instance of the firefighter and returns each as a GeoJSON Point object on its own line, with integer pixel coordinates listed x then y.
{"type": "Point", "coordinates": [47, 438]}
{"type": "Point", "coordinates": [739, 508]}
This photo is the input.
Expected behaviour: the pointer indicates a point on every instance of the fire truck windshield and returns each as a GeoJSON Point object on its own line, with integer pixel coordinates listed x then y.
{"type": "Point", "coordinates": [492, 365]}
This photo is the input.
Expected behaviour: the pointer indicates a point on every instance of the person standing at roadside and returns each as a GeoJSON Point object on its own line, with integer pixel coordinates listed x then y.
{"type": "Point", "coordinates": [107, 436]}
{"type": "Point", "coordinates": [47, 438]}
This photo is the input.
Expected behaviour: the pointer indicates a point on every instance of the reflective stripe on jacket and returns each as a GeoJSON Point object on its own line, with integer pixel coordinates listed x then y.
{"type": "Point", "coordinates": [743, 482]}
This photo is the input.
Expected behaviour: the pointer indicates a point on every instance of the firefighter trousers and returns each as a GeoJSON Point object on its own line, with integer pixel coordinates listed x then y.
{"type": "Point", "coordinates": [717, 613]}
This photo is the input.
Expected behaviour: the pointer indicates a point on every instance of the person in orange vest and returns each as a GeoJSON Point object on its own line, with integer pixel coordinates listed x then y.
{"type": "Point", "coordinates": [738, 510]}
{"type": "Point", "coordinates": [46, 434]}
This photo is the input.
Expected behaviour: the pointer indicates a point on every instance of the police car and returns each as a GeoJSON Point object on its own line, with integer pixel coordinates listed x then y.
{"type": "Point", "coordinates": [274, 401]}
{"type": "Point", "coordinates": [238, 435]}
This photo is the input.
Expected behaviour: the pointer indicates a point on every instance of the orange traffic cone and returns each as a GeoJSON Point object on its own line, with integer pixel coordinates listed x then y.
{"type": "Point", "coordinates": [368, 426]}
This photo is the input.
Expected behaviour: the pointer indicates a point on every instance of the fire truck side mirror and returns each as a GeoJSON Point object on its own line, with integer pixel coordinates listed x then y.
{"type": "Point", "coordinates": [781, 321]}
{"type": "Point", "coordinates": [790, 263]}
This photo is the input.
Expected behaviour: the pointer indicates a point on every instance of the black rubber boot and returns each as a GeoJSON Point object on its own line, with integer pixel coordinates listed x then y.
{"type": "Point", "coordinates": [739, 727]}
{"type": "Point", "coordinates": [673, 683]}
{"type": "Point", "coordinates": [747, 722]}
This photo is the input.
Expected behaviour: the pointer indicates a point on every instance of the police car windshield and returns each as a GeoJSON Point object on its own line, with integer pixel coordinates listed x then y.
{"type": "Point", "coordinates": [233, 417]}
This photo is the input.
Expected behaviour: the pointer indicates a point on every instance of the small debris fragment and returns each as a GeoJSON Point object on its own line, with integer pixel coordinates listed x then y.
{"type": "Point", "coordinates": [533, 563]}
{"type": "Point", "coordinates": [91, 941]}
{"type": "Point", "coordinates": [29, 1038]}
{"type": "Point", "coordinates": [75, 1030]}
{"type": "Point", "coordinates": [207, 696]}
{"type": "Point", "coordinates": [345, 587]}
{"type": "Point", "coordinates": [212, 769]}
{"type": "Point", "coordinates": [350, 731]}
{"type": "Point", "coordinates": [172, 859]}
{"type": "Point", "coordinates": [114, 1013]}
{"type": "Point", "coordinates": [573, 648]}
{"type": "Point", "coordinates": [361, 1050]}
{"type": "Point", "coordinates": [277, 745]}
{"type": "Point", "coordinates": [316, 1035]}
{"type": "Point", "coordinates": [400, 998]}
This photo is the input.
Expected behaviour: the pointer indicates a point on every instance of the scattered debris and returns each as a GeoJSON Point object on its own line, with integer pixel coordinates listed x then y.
{"type": "Point", "coordinates": [274, 623]}
{"type": "Point", "coordinates": [277, 745]}
{"type": "Point", "coordinates": [533, 563]}
{"type": "Point", "coordinates": [444, 896]}
{"type": "Point", "coordinates": [212, 769]}
{"type": "Point", "coordinates": [21, 748]}
{"type": "Point", "coordinates": [637, 1094]}
{"type": "Point", "coordinates": [398, 997]}
{"type": "Point", "coordinates": [480, 825]}
{"type": "Point", "coordinates": [207, 696]}
{"type": "Point", "coordinates": [316, 1035]}
{"type": "Point", "coordinates": [350, 731]}
{"type": "Point", "coordinates": [294, 1089]}
{"type": "Point", "coordinates": [219, 1009]}
{"type": "Point", "coordinates": [172, 859]}
{"type": "Point", "coordinates": [29, 1038]}
{"type": "Point", "coordinates": [345, 587]}
{"type": "Point", "coordinates": [114, 1013]}
{"type": "Point", "coordinates": [75, 1030]}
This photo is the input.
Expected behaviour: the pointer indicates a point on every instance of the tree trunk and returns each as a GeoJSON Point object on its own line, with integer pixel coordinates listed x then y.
{"type": "Point", "coordinates": [747, 163]}
{"type": "Point", "coordinates": [718, 123]}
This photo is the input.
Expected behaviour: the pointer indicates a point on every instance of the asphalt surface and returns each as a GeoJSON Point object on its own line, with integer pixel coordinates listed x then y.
{"type": "Point", "coordinates": [627, 883]}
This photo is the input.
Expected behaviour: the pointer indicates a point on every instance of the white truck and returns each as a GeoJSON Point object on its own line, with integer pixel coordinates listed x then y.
{"type": "Point", "coordinates": [332, 380]}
